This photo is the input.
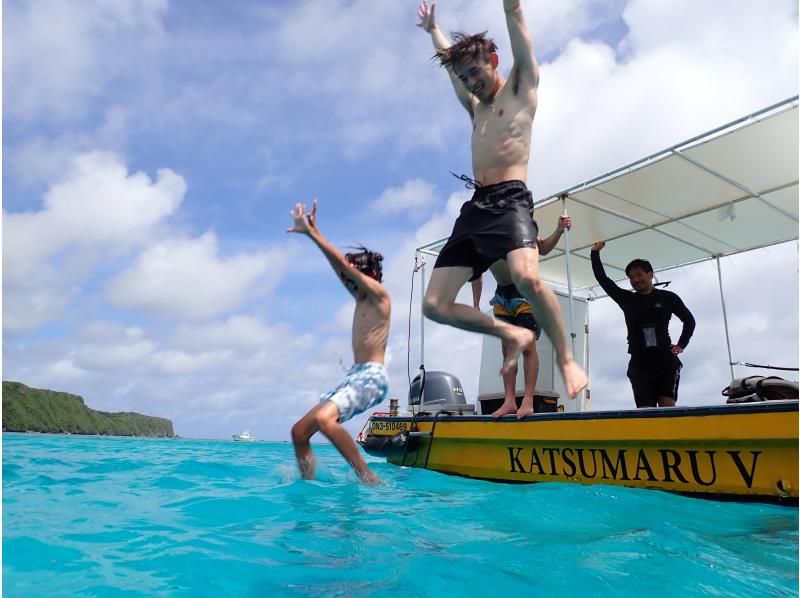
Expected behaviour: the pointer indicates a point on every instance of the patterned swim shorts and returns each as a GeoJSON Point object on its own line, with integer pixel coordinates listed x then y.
{"type": "Point", "coordinates": [365, 386]}
{"type": "Point", "coordinates": [510, 306]}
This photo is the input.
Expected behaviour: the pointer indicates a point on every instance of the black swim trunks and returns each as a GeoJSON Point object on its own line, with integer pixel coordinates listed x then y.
{"type": "Point", "coordinates": [496, 220]}
{"type": "Point", "coordinates": [654, 376]}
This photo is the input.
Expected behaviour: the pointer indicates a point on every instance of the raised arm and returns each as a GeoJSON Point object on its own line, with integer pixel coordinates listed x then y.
{"type": "Point", "coordinates": [354, 281]}
{"type": "Point", "coordinates": [612, 290]}
{"type": "Point", "coordinates": [521, 47]}
{"type": "Point", "coordinates": [427, 21]}
{"type": "Point", "coordinates": [547, 245]}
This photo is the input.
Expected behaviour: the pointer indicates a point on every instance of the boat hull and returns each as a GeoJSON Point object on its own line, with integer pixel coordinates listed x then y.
{"type": "Point", "coordinates": [742, 452]}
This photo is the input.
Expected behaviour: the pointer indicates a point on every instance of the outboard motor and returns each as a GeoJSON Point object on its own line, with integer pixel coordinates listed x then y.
{"type": "Point", "coordinates": [440, 388]}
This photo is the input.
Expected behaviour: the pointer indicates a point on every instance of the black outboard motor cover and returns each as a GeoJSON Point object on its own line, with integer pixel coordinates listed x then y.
{"type": "Point", "coordinates": [389, 446]}
{"type": "Point", "coordinates": [441, 388]}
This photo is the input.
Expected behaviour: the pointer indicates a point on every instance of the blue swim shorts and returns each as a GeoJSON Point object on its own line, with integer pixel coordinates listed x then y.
{"type": "Point", "coordinates": [365, 386]}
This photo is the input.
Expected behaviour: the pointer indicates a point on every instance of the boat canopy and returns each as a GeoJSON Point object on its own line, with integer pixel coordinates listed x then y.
{"type": "Point", "coordinates": [730, 190]}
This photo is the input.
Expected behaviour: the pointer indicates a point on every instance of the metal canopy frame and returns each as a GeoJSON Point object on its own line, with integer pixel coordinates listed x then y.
{"type": "Point", "coordinates": [750, 164]}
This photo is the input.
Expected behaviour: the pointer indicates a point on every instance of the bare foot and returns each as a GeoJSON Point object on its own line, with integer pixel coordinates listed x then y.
{"type": "Point", "coordinates": [369, 478]}
{"type": "Point", "coordinates": [574, 378]}
{"type": "Point", "coordinates": [522, 339]}
{"type": "Point", "coordinates": [507, 408]}
{"type": "Point", "coordinates": [308, 467]}
{"type": "Point", "coordinates": [526, 408]}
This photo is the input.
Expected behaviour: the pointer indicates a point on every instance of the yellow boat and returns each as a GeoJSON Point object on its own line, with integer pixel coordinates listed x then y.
{"type": "Point", "coordinates": [742, 451]}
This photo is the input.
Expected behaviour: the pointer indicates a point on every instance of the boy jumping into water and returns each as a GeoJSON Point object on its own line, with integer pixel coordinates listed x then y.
{"type": "Point", "coordinates": [496, 223]}
{"type": "Point", "coordinates": [366, 384]}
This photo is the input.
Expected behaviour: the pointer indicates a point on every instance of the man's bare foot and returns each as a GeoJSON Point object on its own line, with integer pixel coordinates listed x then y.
{"type": "Point", "coordinates": [521, 339]}
{"type": "Point", "coordinates": [369, 478]}
{"type": "Point", "coordinates": [574, 378]}
{"type": "Point", "coordinates": [308, 467]}
{"type": "Point", "coordinates": [507, 408]}
{"type": "Point", "coordinates": [526, 408]}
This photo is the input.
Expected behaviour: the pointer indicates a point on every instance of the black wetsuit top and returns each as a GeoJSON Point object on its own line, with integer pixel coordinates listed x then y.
{"type": "Point", "coordinates": [646, 316]}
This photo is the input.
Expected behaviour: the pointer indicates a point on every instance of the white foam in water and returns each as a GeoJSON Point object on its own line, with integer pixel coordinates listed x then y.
{"type": "Point", "coordinates": [324, 473]}
{"type": "Point", "coordinates": [289, 472]}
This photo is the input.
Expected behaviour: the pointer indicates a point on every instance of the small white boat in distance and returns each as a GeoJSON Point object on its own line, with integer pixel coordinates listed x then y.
{"type": "Point", "coordinates": [244, 437]}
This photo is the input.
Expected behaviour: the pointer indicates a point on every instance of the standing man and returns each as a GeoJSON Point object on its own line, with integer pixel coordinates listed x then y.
{"type": "Point", "coordinates": [496, 223]}
{"type": "Point", "coordinates": [654, 369]}
{"type": "Point", "coordinates": [510, 306]}
{"type": "Point", "coordinates": [367, 383]}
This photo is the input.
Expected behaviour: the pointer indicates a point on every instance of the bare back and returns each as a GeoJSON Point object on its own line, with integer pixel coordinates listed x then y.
{"type": "Point", "coordinates": [501, 132]}
{"type": "Point", "coordinates": [371, 327]}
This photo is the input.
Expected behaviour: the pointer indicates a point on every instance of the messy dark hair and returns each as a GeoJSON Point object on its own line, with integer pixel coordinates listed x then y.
{"type": "Point", "coordinates": [477, 47]}
{"type": "Point", "coordinates": [638, 263]}
{"type": "Point", "coordinates": [367, 262]}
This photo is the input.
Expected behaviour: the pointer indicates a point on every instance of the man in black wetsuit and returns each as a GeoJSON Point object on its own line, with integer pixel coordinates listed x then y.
{"type": "Point", "coordinates": [654, 368]}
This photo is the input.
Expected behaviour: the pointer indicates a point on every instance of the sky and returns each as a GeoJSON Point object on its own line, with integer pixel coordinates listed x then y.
{"type": "Point", "coordinates": [152, 151]}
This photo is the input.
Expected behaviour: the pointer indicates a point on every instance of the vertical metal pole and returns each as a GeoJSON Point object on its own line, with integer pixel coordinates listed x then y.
{"type": "Point", "coordinates": [569, 277]}
{"type": "Point", "coordinates": [725, 317]}
{"type": "Point", "coordinates": [422, 316]}
{"type": "Point", "coordinates": [587, 392]}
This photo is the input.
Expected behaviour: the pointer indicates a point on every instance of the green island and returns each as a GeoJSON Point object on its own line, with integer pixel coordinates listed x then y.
{"type": "Point", "coordinates": [28, 409]}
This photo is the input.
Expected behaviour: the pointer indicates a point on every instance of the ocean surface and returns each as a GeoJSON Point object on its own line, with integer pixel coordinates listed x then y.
{"type": "Point", "coordinates": [99, 516]}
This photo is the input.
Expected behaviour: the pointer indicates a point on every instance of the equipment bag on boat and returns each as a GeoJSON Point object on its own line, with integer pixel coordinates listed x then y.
{"type": "Point", "coordinates": [759, 388]}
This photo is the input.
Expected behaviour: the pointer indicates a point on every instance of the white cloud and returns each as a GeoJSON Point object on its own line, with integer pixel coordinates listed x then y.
{"type": "Point", "coordinates": [186, 278]}
{"type": "Point", "coordinates": [599, 109]}
{"type": "Point", "coordinates": [97, 202]}
{"type": "Point", "coordinates": [58, 56]}
{"type": "Point", "coordinates": [95, 211]}
{"type": "Point", "coordinates": [111, 346]}
{"type": "Point", "coordinates": [415, 197]}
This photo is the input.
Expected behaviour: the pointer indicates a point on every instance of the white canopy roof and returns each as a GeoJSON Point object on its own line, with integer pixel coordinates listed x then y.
{"type": "Point", "coordinates": [730, 190]}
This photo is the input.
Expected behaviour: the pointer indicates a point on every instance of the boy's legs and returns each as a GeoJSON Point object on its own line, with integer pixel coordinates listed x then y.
{"type": "Point", "coordinates": [325, 418]}
{"type": "Point", "coordinates": [509, 387]}
{"type": "Point", "coordinates": [530, 363]}
{"type": "Point", "coordinates": [524, 266]}
{"type": "Point", "coordinates": [328, 421]}
{"type": "Point", "coordinates": [440, 306]}
{"type": "Point", "coordinates": [302, 432]}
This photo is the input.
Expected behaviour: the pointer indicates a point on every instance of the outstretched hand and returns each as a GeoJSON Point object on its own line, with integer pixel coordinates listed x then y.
{"type": "Point", "coordinates": [304, 222]}
{"type": "Point", "coordinates": [427, 18]}
{"type": "Point", "coordinates": [598, 245]}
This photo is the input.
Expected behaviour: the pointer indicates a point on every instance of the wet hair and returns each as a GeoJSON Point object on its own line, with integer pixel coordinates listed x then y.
{"type": "Point", "coordinates": [367, 262]}
{"type": "Point", "coordinates": [477, 47]}
{"type": "Point", "coordinates": [638, 263]}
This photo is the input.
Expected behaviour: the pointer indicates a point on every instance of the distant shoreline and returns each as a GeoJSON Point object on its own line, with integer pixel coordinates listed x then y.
{"type": "Point", "coordinates": [43, 411]}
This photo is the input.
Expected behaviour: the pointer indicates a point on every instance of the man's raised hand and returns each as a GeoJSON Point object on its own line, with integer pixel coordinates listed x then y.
{"type": "Point", "coordinates": [427, 18]}
{"type": "Point", "coordinates": [303, 222]}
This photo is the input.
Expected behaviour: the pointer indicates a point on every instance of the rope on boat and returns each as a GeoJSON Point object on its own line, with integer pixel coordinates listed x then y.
{"type": "Point", "coordinates": [763, 367]}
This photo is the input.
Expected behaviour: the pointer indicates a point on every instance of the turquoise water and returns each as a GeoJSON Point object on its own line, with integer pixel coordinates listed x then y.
{"type": "Point", "coordinates": [96, 516]}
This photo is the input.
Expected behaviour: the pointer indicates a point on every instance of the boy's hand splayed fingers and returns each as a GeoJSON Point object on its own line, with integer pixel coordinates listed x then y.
{"type": "Point", "coordinates": [304, 221]}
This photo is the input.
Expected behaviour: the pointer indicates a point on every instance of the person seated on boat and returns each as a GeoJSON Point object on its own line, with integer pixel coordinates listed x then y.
{"type": "Point", "coordinates": [509, 305]}
{"type": "Point", "coordinates": [654, 369]}
{"type": "Point", "coordinates": [367, 383]}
